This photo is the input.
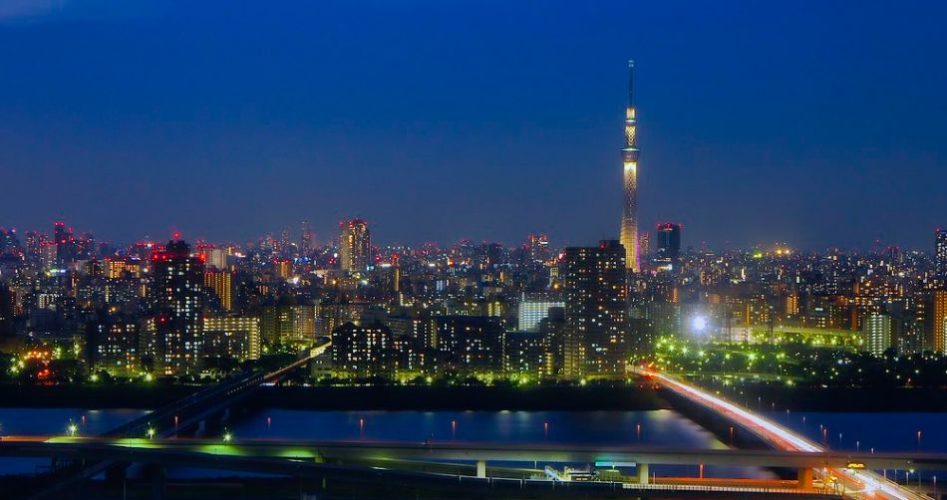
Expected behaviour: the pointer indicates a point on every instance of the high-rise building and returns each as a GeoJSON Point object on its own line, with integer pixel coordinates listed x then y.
{"type": "Point", "coordinates": [355, 247]}
{"type": "Point", "coordinates": [7, 309]}
{"type": "Point", "coordinates": [939, 321]}
{"type": "Point", "coordinates": [217, 258]}
{"type": "Point", "coordinates": [232, 337]}
{"type": "Point", "coordinates": [596, 300]}
{"type": "Point", "coordinates": [288, 323]}
{"type": "Point", "coordinates": [306, 239]}
{"type": "Point", "coordinates": [532, 311]}
{"type": "Point", "coordinates": [64, 243]}
{"type": "Point", "coordinates": [877, 333]}
{"type": "Point", "coordinates": [629, 217]}
{"type": "Point", "coordinates": [668, 253]}
{"type": "Point", "coordinates": [221, 282]}
{"type": "Point", "coordinates": [538, 246]}
{"type": "Point", "coordinates": [525, 353]}
{"type": "Point", "coordinates": [283, 268]}
{"type": "Point", "coordinates": [179, 307]}
{"type": "Point", "coordinates": [362, 349]}
{"type": "Point", "coordinates": [112, 344]}
{"type": "Point", "coordinates": [470, 342]}
{"type": "Point", "coordinates": [940, 239]}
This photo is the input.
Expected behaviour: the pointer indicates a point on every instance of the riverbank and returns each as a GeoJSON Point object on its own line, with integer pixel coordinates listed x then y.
{"type": "Point", "coordinates": [619, 397]}
{"type": "Point", "coordinates": [838, 399]}
{"type": "Point", "coordinates": [422, 398]}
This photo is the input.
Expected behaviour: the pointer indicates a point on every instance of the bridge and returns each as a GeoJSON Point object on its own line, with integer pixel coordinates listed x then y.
{"type": "Point", "coordinates": [855, 482]}
{"type": "Point", "coordinates": [154, 440]}
{"type": "Point", "coordinates": [463, 464]}
{"type": "Point", "coordinates": [186, 413]}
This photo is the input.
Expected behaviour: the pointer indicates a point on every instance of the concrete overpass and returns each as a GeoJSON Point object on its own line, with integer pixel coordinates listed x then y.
{"type": "Point", "coordinates": [143, 449]}
{"type": "Point", "coordinates": [430, 463]}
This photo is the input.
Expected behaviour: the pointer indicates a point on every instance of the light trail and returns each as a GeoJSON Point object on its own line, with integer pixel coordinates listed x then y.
{"type": "Point", "coordinates": [871, 484]}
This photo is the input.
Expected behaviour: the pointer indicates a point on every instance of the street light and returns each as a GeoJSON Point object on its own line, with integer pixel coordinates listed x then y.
{"type": "Point", "coordinates": [72, 429]}
{"type": "Point", "coordinates": [150, 432]}
{"type": "Point", "coordinates": [228, 437]}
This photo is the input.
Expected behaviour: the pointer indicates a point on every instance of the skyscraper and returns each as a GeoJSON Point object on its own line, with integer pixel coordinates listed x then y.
{"type": "Point", "coordinates": [629, 217]}
{"type": "Point", "coordinates": [179, 308]}
{"type": "Point", "coordinates": [221, 282]}
{"type": "Point", "coordinates": [669, 246]}
{"type": "Point", "coordinates": [595, 337]}
{"type": "Point", "coordinates": [355, 246]}
{"type": "Point", "coordinates": [939, 320]}
{"type": "Point", "coordinates": [941, 251]}
{"type": "Point", "coordinates": [877, 332]}
{"type": "Point", "coordinates": [533, 310]}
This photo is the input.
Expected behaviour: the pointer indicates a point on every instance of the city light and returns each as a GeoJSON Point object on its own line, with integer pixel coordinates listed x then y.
{"type": "Point", "coordinates": [699, 324]}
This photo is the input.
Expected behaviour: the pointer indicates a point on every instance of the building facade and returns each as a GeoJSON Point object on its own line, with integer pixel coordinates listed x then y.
{"type": "Point", "coordinates": [596, 310]}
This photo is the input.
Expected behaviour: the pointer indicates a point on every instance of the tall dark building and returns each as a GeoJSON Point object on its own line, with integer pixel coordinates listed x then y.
{"type": "Point", "coordinates": [596, 310]}
{"type": "Point", "coordinates": [179, 306]}
{"type": "Point", "coordinates": [64, 244]}
{"type": "Point", "coordinates": [940, 242]}
{"type": "Point", "coordinates": [7, 302]}
{"type": "Point", "coordinates": [668, 252]}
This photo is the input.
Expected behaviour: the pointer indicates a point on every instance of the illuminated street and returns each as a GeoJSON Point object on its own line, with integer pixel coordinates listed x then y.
{"type": "Point", "coordinates": [856, 483]}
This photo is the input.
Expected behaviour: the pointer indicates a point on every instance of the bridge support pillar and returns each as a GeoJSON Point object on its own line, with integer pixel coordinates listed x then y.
{"type": "Point", "coordinates": [805, 478]}
{"type": "Point", "coordinates": [156, 472]}
{"type": "Point", "coordinates": [643, 474]}
{"type": "Point", "coordinates": [481, 468]}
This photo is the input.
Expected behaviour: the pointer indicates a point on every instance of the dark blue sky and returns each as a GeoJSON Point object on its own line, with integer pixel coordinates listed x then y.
{"type": "Point", "coordinates": [816, 123]}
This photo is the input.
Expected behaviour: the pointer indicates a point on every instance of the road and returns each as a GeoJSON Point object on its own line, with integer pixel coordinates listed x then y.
{"type": "Point", "coordinates": [858, 483]}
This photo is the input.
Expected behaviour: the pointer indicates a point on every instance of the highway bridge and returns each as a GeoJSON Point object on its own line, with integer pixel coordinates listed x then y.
{"type": "Point", "coordinates": [379, 452]}
{"type": "Point", "coordinates": [186, 413]}
{"type": "Point", "coordinates": [855, 482]}
{"type": "Point", "coordinates": [461, 465]}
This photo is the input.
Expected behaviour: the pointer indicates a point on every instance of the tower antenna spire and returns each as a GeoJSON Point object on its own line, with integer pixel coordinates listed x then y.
{"type": "Point", "coordinates": [629, 220]}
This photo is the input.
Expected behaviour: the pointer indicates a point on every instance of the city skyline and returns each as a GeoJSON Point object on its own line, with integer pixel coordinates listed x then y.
{"type": "Point", "coordinates": [485, 144]}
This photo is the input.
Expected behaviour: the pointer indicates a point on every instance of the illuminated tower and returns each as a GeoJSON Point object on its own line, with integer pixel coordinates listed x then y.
{"type": "Point", "coordinates": [629, 217]}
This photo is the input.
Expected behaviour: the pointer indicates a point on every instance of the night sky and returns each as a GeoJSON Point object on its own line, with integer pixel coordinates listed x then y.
{"type": "Point", "coordinates": [815, 123]}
